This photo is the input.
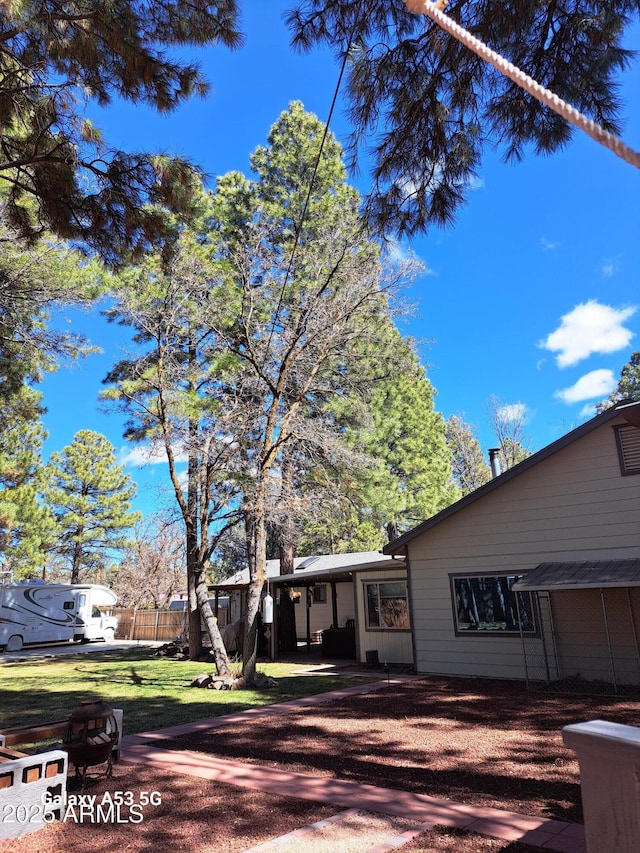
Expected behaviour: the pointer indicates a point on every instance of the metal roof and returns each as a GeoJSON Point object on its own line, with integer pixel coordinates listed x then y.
{"type": "Point", "coordinates": [322, 566]}
{"type": "Point", "coordinates": [584, 575]}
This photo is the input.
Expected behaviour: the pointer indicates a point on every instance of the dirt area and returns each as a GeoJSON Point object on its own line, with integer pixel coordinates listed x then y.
{"type": "Point", "coordinates": [478, 741]}
{"type": "Point", "coordinates": [474, 741]}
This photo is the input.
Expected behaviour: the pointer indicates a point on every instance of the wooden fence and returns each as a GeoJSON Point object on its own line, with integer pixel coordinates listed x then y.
{"type": "Point", "coordinates": [155, 624]}
{"type": "Point", "coordinates": [150, 624]}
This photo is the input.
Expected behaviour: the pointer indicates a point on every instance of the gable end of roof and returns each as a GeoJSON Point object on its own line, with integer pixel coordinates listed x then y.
{"type": "Point", "coordinates": [631, 413]}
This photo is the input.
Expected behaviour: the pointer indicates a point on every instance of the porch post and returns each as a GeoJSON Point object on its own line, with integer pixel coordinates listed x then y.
{"type": "Point", "coordinates": [309, 593]}
{"type": "Point", "coordinates": [334, 604]}
{"type": "Point", "coordinates": [606, 628]}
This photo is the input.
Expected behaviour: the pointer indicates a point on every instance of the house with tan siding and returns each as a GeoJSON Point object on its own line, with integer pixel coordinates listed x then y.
{"type": "Point", "coordinates": [348, 606]}
{"type": "Point", "coordinates": [536, 575]}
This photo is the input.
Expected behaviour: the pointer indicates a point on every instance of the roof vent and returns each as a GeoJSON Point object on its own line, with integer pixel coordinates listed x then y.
{"type": "Point", "coordinates": [628, 438]}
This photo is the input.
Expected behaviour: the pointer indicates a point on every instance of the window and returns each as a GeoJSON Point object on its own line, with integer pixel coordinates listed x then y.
{"type": "Point", "coordinates": [320, 594]}
{"type": "Point", "coordinates": [628, 441]}
{"type": "Point", "coordinates": [386, 605]}
{"type": "Point", "coordinates": [487, 604]}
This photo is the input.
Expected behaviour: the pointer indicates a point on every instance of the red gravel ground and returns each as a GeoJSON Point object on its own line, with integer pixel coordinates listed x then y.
{"type": "Point", "coordinates": [474, 741]}
{"type": "Point", "coordinates": [478, 741]}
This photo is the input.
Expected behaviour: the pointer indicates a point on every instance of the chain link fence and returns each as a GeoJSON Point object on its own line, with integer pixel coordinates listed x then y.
{"type": "Point", "coordinates": [587, 642]}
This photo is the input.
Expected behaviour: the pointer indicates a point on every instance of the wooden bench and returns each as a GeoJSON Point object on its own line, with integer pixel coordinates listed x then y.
{"type": "Point", "coordinates": [31, 786]}
{"type": "Point", "coordinates": [56, 729]}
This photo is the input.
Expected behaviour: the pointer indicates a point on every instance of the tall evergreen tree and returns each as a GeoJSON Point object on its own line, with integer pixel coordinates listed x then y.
{"type": "Point", "coordinates": [26, 526]}
{"type": "Point", "coordinates": [405, 476]}
{"type": "Point", "coordinates": [35, 283]}
{"type": "Point", "coordinates": [90, 497]}
{"type": "Point", "coordinates": [268, 337]}
{"type": "Point", "coordinates": [171, 389]}
{"type": "Point", "coordinates": [412, 479]}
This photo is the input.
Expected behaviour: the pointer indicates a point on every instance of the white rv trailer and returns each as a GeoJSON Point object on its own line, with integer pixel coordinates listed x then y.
{"type": "Point", "coordinates": [49, 613]}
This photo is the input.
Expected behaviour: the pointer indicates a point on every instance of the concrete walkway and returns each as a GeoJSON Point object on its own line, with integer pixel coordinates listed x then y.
{"type": "Point", "coordinates": [510, 826]}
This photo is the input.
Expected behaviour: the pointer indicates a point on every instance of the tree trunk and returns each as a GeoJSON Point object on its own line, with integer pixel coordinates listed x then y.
{"type": "Point", "coordinates": [393, 531]}
{"type": "Point", "coordinates": [195, 635]}
{"type": "Point", "coordinates": [195, 627]}
{"type": "Point", "coordinates": [287, 634]}
{"type": "Point", "coordinates": [256, 557]}
{"type": "Point", "coordinates": [217, 646]}
{"type": "Point", "coordinates": [76, 563]}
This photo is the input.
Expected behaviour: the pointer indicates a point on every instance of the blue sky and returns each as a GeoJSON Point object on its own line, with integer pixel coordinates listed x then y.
{"type": "Point", "coordinates": [533, 296]}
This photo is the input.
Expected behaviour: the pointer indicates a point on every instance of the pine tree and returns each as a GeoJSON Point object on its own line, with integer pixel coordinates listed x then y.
{"type": "Point", "coordinates": [26, 526]}
{"type": "Point", "coordinates": [90, 497]}
{"type": "Point", "coordinates": [56, 55]}
{"type": "Point", "coordinates": [171, 390]}
{"type": "Point", "coordinates": [424, 107]}
{"type": "Point", "coordinates": [412, 480]}
{"type": "Point", "coordinates": [34, 282]}
{"type": "Point", "coordinates": [247, 342]}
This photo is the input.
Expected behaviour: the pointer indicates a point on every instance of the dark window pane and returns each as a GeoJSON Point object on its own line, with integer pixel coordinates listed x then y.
{"type": "Point", "coordinates": [488, 603]}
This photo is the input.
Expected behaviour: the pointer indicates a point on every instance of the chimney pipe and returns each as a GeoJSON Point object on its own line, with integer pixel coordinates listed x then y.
{"type": "Point", "coordinates": [494, 461]}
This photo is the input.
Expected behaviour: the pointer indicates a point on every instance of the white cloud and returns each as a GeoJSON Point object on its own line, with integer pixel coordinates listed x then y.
{"type": "Point", "coordinates": [588, 411]}
{"type": "Point", "coordinates": [589, 328]}
{"type": "Point", "coordinates": [399, 253]}
{"type": "Point", "coordinates": [144, 455]}
{"type": "Point", "coordinates": [597, 384]}
{"type": "Point", "coordinates": [475, 183]}
{"type": "Point", "coordinates": [607, 269]}
{"type": "Point", "coordinates": [548, 245]}
{"type": "Point", "coordinates": [512, 412]}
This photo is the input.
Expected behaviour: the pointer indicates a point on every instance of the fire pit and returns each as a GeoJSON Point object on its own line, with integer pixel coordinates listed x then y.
{"type": "Point", "coordinates": [91, 734]}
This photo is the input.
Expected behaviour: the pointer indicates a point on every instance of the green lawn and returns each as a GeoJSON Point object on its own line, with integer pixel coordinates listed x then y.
{"type": "Point", "coordinates": [153, 692]}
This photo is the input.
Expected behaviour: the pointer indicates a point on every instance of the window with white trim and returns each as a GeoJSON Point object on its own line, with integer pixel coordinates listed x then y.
{"type": "Point", "coordinates": [386, 605]}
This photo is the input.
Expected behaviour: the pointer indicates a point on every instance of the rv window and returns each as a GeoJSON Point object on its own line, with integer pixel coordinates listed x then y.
{"type": "Point", "coordinates": [82, 600]}
{"type": "Point", "coordinates": [68, 605]}
{"type": "Point", "coordinates": [95, 612]}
